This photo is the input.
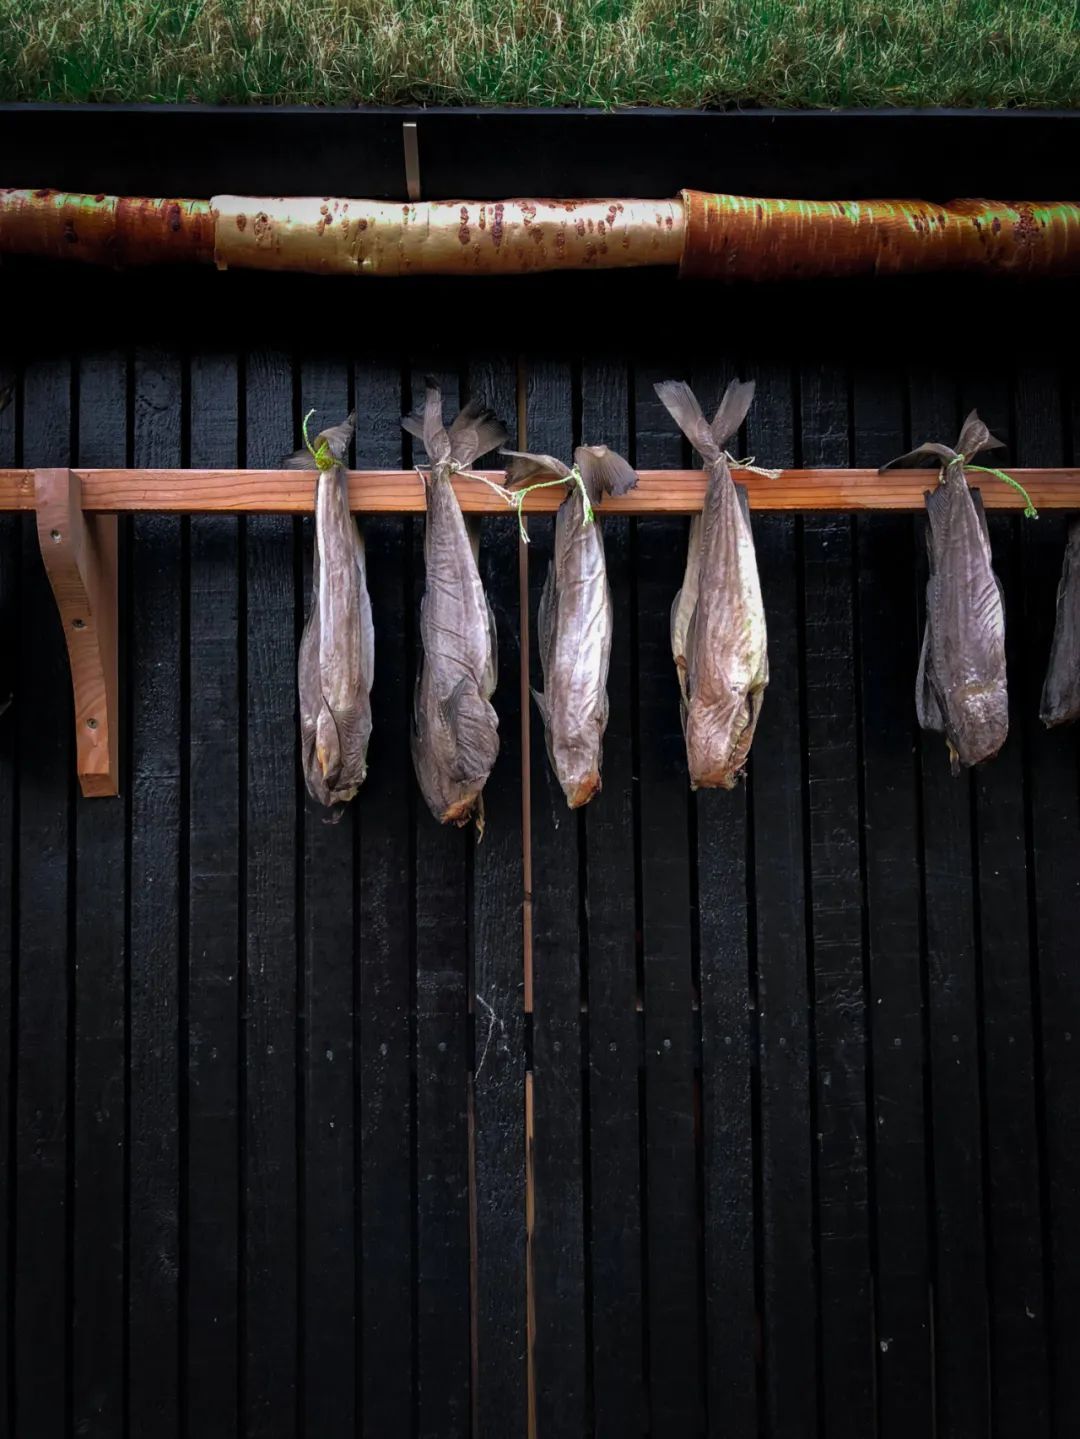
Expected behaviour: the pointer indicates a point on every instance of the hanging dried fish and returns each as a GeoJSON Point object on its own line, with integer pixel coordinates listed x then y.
{"type": "Point", "coordinates": [718, 620]}
{"type": "Point", "coordinates": [575, 621]}
{"type": "Point", "coordinates": [1061, 689]}
{"type": "Point", "coordinates": [455, 736]}
{"type": "Point", "coordinates": [337, 649]}
{"type": "Point", "coordinates": [960, 690]}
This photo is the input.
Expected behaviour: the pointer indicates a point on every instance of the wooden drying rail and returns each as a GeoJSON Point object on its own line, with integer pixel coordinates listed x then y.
{"type": "Point", "coordinates": [77, 531]}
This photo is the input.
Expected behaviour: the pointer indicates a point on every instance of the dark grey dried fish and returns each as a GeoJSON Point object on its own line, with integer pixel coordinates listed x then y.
{"type": "Point", "coordinates": [1061, 688]}
{"type": "Point", "coordinates": [337, 650]}
{"type": "Point", "coordinates": [961, 689]}
{"type": "Point", "coordinates": [718, 636]}
{"type": "Point", "coordinates": [575, 620]}
{"type": "Point", "coordinates": [455, 737]}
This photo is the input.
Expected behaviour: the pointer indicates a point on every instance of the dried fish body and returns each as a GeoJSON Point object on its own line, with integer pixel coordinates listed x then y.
{"type": "Point", "coordinates": [455, 738]}
{"type": "Point", "coordinates": [336, 664]}
{"type": "Point", "coordinates": [1061, 689]}
{"type": "Point", "coordinates": [718, 634]}
{"type": "Point", "coordinates": [961, 687]}
{"type": "Point", "coordinates": [575, 619]}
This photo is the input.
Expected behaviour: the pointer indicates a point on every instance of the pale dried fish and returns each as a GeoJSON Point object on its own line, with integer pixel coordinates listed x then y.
{"type": "Point", "coordinates": [961, 687]}
{"type": "Point", "coordinates": [1061, 689]}
{"type": "Point", "coordinates": [337, 650]}
{"type": "Point", "coordinates": [718, 636]}
{"type": "Point", "coordinates": [575, 620]}
{"type": "Point", "coordinates": [455, 737]}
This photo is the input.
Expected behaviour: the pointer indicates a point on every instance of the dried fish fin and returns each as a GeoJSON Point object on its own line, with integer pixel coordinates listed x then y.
{"type": "Point", "coordinates": [1060, 703]}
{"type": "Point", "coordinates": [475, 431]}
{"type": "Point", "coordinates": [490, 677]}
{"type": "Point", "coordinates": [337, 439]}
{"type": "Point", "coordinates": [974, 436]}
{"type": "Point", "coordinates": [426, 424]}
{"type": "Point", "coordinates": [681, 403]}
{"type": "Point", "coordinates": [686, 600]}
{"type": "Point", "coordinates": [604, 472]}
{"type": "Point", "coordinates": [931, 447]}
{"type": "Point", "coordinates": [733, 409]}
{"type": "Point", "coordinates": [524, 466]}
{"type": "Point", "coordinates": [545, 620]}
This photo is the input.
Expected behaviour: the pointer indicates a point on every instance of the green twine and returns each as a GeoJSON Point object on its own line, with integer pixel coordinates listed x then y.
{"type": "Point", "coordinates": [324, 460]}
{"type": "Point", "coordinates": [1030, 512]}
{"type": "Point", "coordinates": [573, 478]}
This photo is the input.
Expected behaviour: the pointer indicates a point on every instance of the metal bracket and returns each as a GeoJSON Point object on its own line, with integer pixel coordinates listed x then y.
{"type": "Point", "coordinates": [79, 552]}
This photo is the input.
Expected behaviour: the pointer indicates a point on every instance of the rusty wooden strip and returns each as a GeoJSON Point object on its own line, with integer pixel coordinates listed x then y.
{"type": "Point", "coordinates": [660, 492]}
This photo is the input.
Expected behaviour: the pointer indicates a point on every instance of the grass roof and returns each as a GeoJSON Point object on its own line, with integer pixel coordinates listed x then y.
{"type": "Point", "coordinates": [536, 52]}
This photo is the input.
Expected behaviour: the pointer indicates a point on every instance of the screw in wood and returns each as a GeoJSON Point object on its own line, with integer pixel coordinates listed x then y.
{"type": "Point", "coordinates": [55, 536]}
{"type": "Point", "coordinates": [91, 723]}
{"type": "Point", "coordinates": [78, 624]}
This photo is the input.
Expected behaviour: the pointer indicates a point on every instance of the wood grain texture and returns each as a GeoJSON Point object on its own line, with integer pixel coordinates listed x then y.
{"type": "Point", "coordinates": [961, 1320]}
{"type": "Point", "coordinates": [100, 1019]}
{"type": "Point", "coordinates": [614, 1210]}
{"type": "Point", "coordinates": [80, 556]}
{"type": "Point", "coordinates": [39, 1334]}
{"type": "Point", "coordinates": [558, 1241]}
{"type": "Point", "coordinates": [498, 980]}
{"type": "Point", "coordinates": [441, 914]}
{"type": "Point", "coordinates": [836, 926]}
{"type": "Point", "coordinates": [729, 1223]}
{"type": "Point", "coordinates": [659, 492]}
{"type": "Point", "coordinates": [673, 1306]}
{"type": "Point", "coordinates": [159, 580]}
{"type": "Point", "coordinates": [211, 1231]}
{"type": "Point", "coordinates": [789, 1269]}
{"type": "Point", "coordinates": [885, 582]}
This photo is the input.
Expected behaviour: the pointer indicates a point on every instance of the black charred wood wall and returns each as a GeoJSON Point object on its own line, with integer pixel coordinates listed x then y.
{"type": "Point", "coordinates": [802, 1066]}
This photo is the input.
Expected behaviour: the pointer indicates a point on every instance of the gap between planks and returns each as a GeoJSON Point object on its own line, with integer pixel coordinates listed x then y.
{"type": "Point", "coordinates": [659, 492]}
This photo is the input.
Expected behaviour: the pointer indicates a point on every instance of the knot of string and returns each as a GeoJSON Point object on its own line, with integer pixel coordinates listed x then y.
{"type": "Point", "coordinates": [517, 499]}
{"type": "Point", "coordinates": [324, 460]}
{"type": "Point", "coordinates": [1030, 512]}
{"type": "Point", "coordinates": [748, 464]}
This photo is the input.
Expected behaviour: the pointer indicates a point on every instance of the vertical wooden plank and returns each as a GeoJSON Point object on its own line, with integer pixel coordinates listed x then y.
{"type": "Point", "coordinates": [558, 1229]}
{"type": "Point", "coordinates": [727, 1098]}
{"type": "Point", "coordinates": [10, 628]}
{"type": "Point", "coordinates": [888, 659]}
{"type": "Point", "coordinates": [962, 1378]}
{"type": "Point", "coordinates": [98, 1399]}
{"type": "Point", "coordinates": [154, 973]}
{"type": "Point", "coordinates": [1014, 1269]}
{"type": "Point", "coordinates": [498, 994]}
{"type": "Point", "coordinates": [614, 1161]}
{"type": "Point", "coordinates": [211, 1235]}
{"type": "Point", "coordinates": [672, 1211]}
{"type": "Point", "coordinates": [270, 977]}
{"type": "Point", "coordinates": [1054, 828]}
{"type": "Point", "coordinates": [789, 1288]}
{"type": "Point", "coordinates": [385, 814]}
{"type": "Point", "coordinates": [836, 930]}
{"type": "Point", "coordinates": [328, 1203]}
{"type": "Point", "coordinates": [40, 1338]}
{"type": "Point", "coordinates": [440, 897]}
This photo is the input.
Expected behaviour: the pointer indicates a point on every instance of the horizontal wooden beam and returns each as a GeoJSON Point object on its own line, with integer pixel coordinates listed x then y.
{"type": "Point", "coordinates": [659, 492]}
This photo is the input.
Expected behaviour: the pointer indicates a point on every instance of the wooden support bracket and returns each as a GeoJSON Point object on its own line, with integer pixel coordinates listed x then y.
{"type": "Point", "coordinates": [79, 551]}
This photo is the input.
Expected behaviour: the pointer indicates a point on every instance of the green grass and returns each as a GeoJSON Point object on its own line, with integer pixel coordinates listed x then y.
{"type": "Point", "coordinates": [537, 52]}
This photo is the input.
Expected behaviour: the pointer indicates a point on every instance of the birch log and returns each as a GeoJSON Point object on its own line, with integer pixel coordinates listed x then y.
{"type": "Point", "coordinates": [706, 236]}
